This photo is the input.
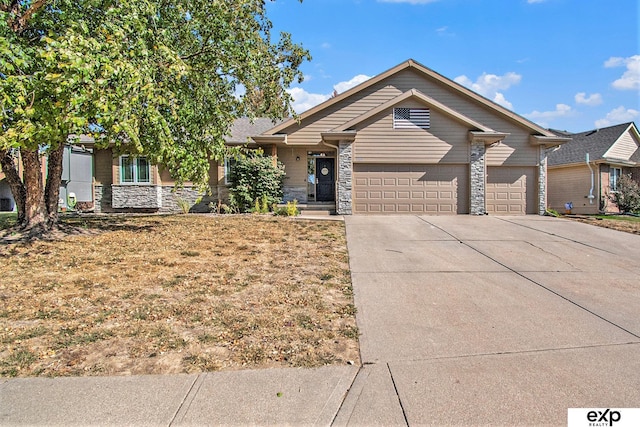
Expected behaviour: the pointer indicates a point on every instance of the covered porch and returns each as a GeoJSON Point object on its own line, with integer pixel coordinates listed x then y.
{"type": "Point", "coordinates": [318, 175]}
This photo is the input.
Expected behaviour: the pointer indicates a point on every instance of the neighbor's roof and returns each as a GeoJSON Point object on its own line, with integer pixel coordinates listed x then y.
{"type": "Point", "coordinates": [243, 128]}
{"type": "Point", "coordinates": [596, 142]}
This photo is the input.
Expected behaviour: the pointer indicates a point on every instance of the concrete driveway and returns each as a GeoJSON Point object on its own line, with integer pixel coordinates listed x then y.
{"type": "Point", "coordinates": [491, 320]}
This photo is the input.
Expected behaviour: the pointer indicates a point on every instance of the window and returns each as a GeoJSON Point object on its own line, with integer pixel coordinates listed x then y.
{"type": "Point", "coordinates": [134, 170]}
{"type": "Point", "coordinates": [614, 177]}
{"type": "Point", "coordinates": [411, 118]}
{"type": "Point", "coordinates": [229, 164]}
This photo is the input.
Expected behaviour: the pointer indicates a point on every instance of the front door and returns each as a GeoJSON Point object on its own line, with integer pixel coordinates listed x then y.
{"type": "Point", "coordinates": [326, 182]}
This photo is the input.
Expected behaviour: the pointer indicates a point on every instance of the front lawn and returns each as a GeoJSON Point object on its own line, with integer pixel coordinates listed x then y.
{"type": "Point", "coordinates": [172, 294]}
{"type": "Point", "coordinates": [626, 223]}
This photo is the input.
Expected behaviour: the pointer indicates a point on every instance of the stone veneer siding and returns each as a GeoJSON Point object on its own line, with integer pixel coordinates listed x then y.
{"type": "Point", "coordinates": [345, 178]}
{"type": "Point", "coordinates": [293, 192]}
{"type": "Point", "coordinates": [136, 196]}
{"type": "Point", "coordinates": [162, 199]}
{"type": "Point", "coordinates": [478, 178]}
{"type": "Point", "coordinates": [542, 181]}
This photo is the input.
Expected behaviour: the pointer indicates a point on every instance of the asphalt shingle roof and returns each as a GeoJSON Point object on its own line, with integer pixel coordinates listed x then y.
{"type": "Point", "coordinates": [595, 142]}
{"type": "Point", "coordinates": [243, 128]}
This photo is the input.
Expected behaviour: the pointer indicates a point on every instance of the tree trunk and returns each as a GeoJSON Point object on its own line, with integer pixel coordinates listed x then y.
{"type": "Point", "coordinates": [12, 176]}
{"type": "Point", "coordinates": [52, 189]}
{"type": "Point", "coordinates": [35, 210]}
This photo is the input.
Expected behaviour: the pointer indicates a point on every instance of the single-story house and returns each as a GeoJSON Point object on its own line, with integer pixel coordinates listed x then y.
{"type": "Point", "coordinates": [412, 141]}
{"type": "Point", "coordinates": [584, 171]}
{"type": "Point", "coordinates": [76, 187]}
{"type": "Point", "coordinates": [406, 141]}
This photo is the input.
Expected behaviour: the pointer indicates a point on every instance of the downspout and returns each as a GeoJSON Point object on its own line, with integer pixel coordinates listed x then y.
{"type": "Point", "coordinates": [590, 196]}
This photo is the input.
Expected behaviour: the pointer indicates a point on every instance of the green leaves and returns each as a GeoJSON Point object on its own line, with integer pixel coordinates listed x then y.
{"type": "Point", "coordinates": [152, 78]}
{"type": "Point", "coordinates": [254, 177]}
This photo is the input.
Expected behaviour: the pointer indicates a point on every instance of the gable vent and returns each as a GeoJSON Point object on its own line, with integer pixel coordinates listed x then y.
{"type": "Point", "coordinates": [411, 118]}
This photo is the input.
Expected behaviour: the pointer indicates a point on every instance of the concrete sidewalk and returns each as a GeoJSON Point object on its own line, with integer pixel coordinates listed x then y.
{"type": "Point", "coordinates": [253, 397]}
{"type": "Point", "coordinates": [464, 321]}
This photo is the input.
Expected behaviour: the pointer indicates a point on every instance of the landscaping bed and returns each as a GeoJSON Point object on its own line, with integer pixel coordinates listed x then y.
{"type": "Point", "coordinates": [175, 294]}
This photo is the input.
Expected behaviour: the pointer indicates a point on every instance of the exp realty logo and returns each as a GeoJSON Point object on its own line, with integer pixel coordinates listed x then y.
{"type": "Point", "coordinates": [603, 417]}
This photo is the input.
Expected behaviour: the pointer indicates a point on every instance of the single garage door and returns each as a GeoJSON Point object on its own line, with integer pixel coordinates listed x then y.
{"type": "Point", "coordinates": [511, 190]}
{"type": "Point", "coordinates": [434, 189]}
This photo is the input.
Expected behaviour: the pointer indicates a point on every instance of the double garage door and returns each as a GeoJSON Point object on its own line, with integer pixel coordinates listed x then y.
{"type": "Point", "coordinates": [439, 189]}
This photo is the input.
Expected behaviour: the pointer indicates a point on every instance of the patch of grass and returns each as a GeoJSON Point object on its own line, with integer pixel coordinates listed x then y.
{"type": "Point", "coordinates": [8, 220]}
{"type": "Point", "coordinates": [630, 218]}
{"type": "Point", "coordinates": [273, 292]}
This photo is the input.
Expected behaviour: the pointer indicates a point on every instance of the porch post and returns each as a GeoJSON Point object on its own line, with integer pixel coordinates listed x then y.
{"type": "Point", "coordinates": [478, 178]}
{"type": "Point", "coordinates": [274, 154]}
{"type": "Point", "coordinates": [345, 177]}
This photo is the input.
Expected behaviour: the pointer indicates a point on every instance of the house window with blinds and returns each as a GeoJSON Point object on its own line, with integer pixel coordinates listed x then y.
{"type": "Point", "coordinates": [411, 118]}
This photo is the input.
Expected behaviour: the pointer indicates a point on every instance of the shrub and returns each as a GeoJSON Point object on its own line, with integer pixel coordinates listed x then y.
{"type": "Point", "coordinates": [627, 194]}
{"type": "Point", "coordinates": [183, 205]}
{"type": "Point", "coordinates": [290, 210]}
{"type": "Point", "coordinates": [255, 182]}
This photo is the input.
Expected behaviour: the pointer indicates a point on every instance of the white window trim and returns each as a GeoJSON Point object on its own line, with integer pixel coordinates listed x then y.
{"type": "Point", "coordinates": [135, 172]}
{"type": "Point", "coordinates": [613, 186]}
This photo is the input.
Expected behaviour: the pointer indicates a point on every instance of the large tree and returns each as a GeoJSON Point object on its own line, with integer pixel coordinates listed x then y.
{"type": "Point", "coordinates": [159, 78]}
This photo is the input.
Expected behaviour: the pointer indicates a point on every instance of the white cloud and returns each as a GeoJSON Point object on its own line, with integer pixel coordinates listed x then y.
{"type": "Point", "coordinates": [491, 85]}
{"type": "Point", "coordinates": [593, 99]}
{"type": "Point", "coordinates": [630, 79]}
{"type": "Point", "coordinates": [326, 45]}
{"type": "Point", "coordinates": [408, 1]}
{"type": "Point", "coordinates": [616, 116]}
{"type": "Point", "coordinates": [344, 86]}
{"type": "Point", "coordinates": [535, 1]}
{"type": "Point", "coordinates": [544, 117]}
{"type": "Point", "coordinates": [500, 99]}
{"type": "Point", "coordinates": [303, 100]}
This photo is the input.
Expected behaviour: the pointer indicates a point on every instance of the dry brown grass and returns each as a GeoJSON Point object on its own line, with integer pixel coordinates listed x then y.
{"type": "Point", "coordinates": [172, 294]}
{"type": "Point", "coordinates": [628, 224]}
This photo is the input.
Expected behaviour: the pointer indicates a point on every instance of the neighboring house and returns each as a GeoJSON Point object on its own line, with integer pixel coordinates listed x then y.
{"type": "Point", "coordinates": [611, 151]}
{"type": "Point", "coordinates": [76, 188]}
{"type": "Point", "coordinates": [411, 141]}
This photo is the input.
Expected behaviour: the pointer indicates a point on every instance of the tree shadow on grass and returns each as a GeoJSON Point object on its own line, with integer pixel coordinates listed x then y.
{"type": "Point", "coordinates": [76, 225]}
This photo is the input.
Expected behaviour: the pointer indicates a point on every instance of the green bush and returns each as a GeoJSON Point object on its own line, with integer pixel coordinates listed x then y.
{"type": "Point", "coordinates": [627, 195]}
{"type": "Point", "coordinates": [290, 210]}
{"type": "Point", "coordinates": [255, 183]}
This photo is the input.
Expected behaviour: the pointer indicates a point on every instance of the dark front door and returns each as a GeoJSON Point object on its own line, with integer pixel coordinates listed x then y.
{"type": "Point", "coordinates": [325, 173]}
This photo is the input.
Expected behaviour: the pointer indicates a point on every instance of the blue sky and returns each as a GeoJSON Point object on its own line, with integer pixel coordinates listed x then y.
{"type": "Point", "coordinates": [566, 64]}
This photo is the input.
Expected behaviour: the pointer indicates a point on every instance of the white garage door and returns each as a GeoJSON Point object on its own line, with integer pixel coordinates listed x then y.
{"type": "Point", "coordinates": [388, 189]}
{"type": "Point", "coordinates": [511, 190]}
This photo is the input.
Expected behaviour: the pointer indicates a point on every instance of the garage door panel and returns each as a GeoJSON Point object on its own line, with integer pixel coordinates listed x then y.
{"type": "Point", "coordinates": [411, 189]}
{"type": "Point", "coordinates": [511, 190]}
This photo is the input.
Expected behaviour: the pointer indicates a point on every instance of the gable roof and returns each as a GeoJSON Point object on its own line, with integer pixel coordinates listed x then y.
{"type": "Point", "coordinates": [596, 142]}
{"type": "Point", "coordinates": [411, 64]}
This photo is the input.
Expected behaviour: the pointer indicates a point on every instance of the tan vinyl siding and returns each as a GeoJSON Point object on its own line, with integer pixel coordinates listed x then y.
{"type": "Point", "coordinates": [623, 148]}
{"type": "Point", "coordinates": [515, 150]}
{"type": "Point", "coordinates": [296, 169]}
{"type": "Point", "coordinates": [572, 184]}
{"type": "Point", "coordinates": [103, 166]}
{"type": "Point", "coordinates": [446, 141]}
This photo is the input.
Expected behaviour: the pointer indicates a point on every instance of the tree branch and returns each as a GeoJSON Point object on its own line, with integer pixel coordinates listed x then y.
{"type": "Point", "coordinates": [19, 21]}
